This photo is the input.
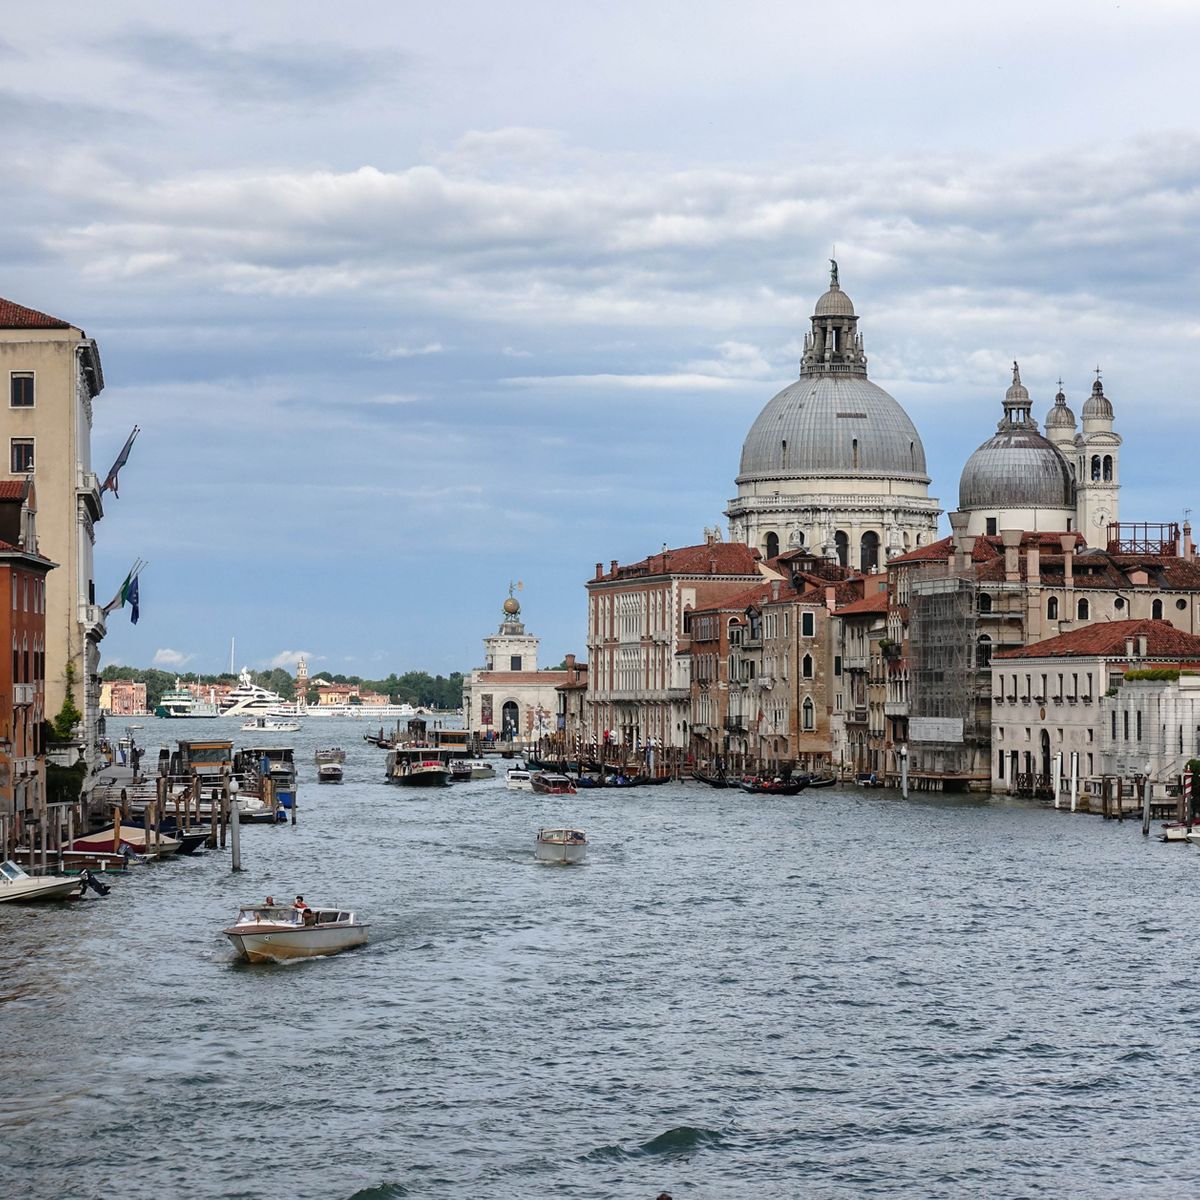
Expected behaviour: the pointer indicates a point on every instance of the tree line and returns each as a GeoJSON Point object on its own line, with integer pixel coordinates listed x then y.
{"type": "Point", "coordinates": [417, 688]}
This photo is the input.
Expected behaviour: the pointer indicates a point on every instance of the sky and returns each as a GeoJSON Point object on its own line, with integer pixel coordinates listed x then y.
{"type": "Point", "coordinates": [413, 301]}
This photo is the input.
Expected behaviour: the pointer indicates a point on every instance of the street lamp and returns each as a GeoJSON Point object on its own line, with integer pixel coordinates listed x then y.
{"type": "Point", "coordinates": [904, 770]}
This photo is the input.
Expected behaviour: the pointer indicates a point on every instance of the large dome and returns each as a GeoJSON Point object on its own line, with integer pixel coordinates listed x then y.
{"type": "Point", "coordinates": [1016, 468]}
{"type": "Point", "coordinates": [832, 425]}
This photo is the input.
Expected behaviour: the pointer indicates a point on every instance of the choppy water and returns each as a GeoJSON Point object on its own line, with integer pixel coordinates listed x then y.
{"type": "Point", "coordinates": [837, 995]}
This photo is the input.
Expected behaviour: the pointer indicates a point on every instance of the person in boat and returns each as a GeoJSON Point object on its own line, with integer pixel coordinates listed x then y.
{"type": "Point", "coordinates": [299, 905]}
{"type": "Point", "coordinates": [270, 901]}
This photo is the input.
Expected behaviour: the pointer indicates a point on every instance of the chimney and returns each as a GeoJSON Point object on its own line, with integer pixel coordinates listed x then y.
{"type": "Point", "coordinates": [831, 598]}
{"type": "Point", "coordinates": [1033, 565]}
{"type": "Point", "coordinates": [1141, 645]}
{"type": "Point", "coordinates": [775, 589]}
{"type": "Point", "coordinates": [614, 566]}
{"type": "Point", "coordinates": [599, 570]}
{"type": "Point", "coordinates": [569, 659]}
{"type": "Point", "coordinates": [968, 546]}
{"type": "Point", "coordinates": [1188, 549]}
{"type": "Point", "coordinates": [1129, 647]}
{"type": "Point", "coordinates": [1067, 541]}
{"type": "Point", "coordinates": [1012, 548]}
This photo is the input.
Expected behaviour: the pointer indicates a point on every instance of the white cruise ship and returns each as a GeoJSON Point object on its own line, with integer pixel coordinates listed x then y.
{"type": "Point", "coordinates": [250, 699]}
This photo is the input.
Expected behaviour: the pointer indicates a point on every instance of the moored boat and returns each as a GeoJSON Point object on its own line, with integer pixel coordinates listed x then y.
{"type": "Point", "coordinates": [277, 932]}
{"type": "Point", "coordinates": [829, 781]}
{"type": "Point", "coordinates": [563, 846]}
{"type": "Point", "coordinates": [716, 781]}
{"type": "Point", "coordinates": [329, 772]}
{"type": "Point", "coordinates": [271, 725]}
{"type": "Point", "coordinates": [16, 884]}
{"type": "Point", "coordinates": [115, 839]}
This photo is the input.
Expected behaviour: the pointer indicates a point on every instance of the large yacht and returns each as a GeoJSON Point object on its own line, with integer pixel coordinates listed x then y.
{"type": "Point", "coordinates": [248, 698]}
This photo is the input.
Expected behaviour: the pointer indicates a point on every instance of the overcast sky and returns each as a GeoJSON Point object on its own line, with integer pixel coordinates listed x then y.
{"type": "Point", "coordinates": [413, 300]}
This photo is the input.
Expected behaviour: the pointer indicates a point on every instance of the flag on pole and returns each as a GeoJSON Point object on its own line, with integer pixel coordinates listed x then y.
{"type": "Point", "coordinates": [110, 480]}
{"type": "Point", "coordinates": [127, 593]}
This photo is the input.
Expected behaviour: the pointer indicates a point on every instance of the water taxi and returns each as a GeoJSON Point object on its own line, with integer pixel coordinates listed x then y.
{"type": "Point", "coordinates": [418, 766]}
{"type": "Point", "coordinates": [563, 846]}
{"type": "Point", "coordinates": [278, 932]}
{"type": "Point", "coordinates": [547, 783]}
{"type": "Point", "coordinates": [329, 772]}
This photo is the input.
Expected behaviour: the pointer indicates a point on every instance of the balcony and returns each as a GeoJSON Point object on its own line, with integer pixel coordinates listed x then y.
{"type": "Point", "coordinates": [735, 724]}
{"type": "Point", "coordinates": [87, 487]}
{"type": "Point", "coordinates": [854, 662]}
{"type": "Point", "coordinates": [91, 617]}
{"type": "Point", "coordinates": [22, 695]}
{"type": "Point", "coordinates": [856, 716]}
{"type": "Point", "coordinates": [895, 708]}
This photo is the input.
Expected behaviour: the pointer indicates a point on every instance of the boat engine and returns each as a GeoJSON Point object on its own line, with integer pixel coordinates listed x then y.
{"type": "Point", "coordinates": [88, 880]}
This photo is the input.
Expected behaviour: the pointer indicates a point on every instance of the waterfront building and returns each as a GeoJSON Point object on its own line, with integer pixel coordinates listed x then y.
{"type": "Point", "coordinates": [1061, 481]}
{"type": "Point", "coordinates": [23, 576]}
{"type": "Point", "coordinates": [508, 698]}
{"type": "Point", "coordinates": [862, 658]}
{"type": "Point", "coordinates": [1078, 694]}
{"type": "Point", "coordinates": [833, 464]}
{"type": "Point", "coordinates": [123, 698]}
{"type": "Point", "coordinates": [571, 726]}
{"type": "Point", "coordinates": [51, 374]}
{"type": "Point", "coordinates": [639, 639]}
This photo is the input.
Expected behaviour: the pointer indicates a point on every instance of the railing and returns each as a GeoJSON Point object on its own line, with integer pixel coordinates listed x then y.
{"type": "Point", "coordinates": [735, 724]}
{"type": "Point", "coordinates": [91, 617]}
{"type": "Point", "coordinates": [22, 694]}
{"type": "Point", "coordinates": [895, 708]}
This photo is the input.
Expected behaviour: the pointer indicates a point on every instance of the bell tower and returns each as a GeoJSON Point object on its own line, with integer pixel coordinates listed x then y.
{"type": "Point", "coordinates": [1098, 451]}
{"type": "Point", "coordinates": [302, 684]}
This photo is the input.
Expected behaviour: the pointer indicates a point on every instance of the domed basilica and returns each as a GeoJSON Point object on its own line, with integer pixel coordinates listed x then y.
{"type": "Point", "coordinates": [833, 464]}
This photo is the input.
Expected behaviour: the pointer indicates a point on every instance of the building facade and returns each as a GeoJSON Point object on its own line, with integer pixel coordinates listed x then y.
{"type": "Point", "coordinates": [51, 375]}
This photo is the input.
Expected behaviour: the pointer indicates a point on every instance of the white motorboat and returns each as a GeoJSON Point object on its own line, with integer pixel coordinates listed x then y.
{"type": "Point", "coordinates": [329, 772]}
{"type": "Point", "coordinates": [16, 884]}
{"type": "Point", "coordinates": [271, 725]}
{"type": "Point", "coordinates": [254, 810]}
{"type": "Point", "coordinates": [563, 846]}
{"type": "Point", "coordinates": [518, 779]}
{"type": "Point", "coordinates": [480, 768]}
{"type": "Point", "coordinates": [1178, 831]}
{"type": "Point", "coordinates": [276, 933]}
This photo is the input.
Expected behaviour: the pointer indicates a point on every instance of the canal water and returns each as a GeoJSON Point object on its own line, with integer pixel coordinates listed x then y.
{"type": "Point", "coordinates": [836, 995]}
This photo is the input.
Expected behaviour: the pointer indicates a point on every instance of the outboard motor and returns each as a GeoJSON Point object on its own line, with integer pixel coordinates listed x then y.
{"type": "Point", "coordinates": [88, 880]}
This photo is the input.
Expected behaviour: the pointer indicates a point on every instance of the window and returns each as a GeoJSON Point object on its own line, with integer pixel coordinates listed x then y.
{"type": "Point", "coordinates": [808, 624]}
{"type": "Point", "coordinates": [837, 664]}
{"type": "Point", "coordinates": [1108, 468]}
{"type": "Point", "coordinates": [515, 662]}
{"type": "Point", "coordinates": [21, 389]}
{"type": "Point", "coordinates": [842, 543]}
{"type": "Point", "coordinates": [1125, 724]}
{"type": "Point", "coordinates": [869, 551]}
{"type": "Point", "coordinates": [1181, 605]}
{"type": "Point", "coordinates": [1000, 764]}
{"type": "Point", "coordinates": [983, 652]}
{"type": "Point", "coordinates": [771, 549]}
{"type": "Point", "coordinates": [809, 714]}
{"type": "Point", "coordinates": [21, 455]}
{"type": "Point", "coordinates": [806, 668]}
{"type": "Point", "coordinates": [1052, 609]}
{"type": "Point", "coordinates": [1156, 610]}
{"type": "Point", "coordinates": [1119, 603]}
{"type": "Point", "coordinates": [1138, 714]}
{"type": "Point", "coordinates": [985, 602]}
{"type": "Point", "coordinates": [1096, 467]}
{"type": "Point", "coordinates": [991, 526]}
{"type": "Point", "coordinates": [1081, 610]}
{"type": "Point", "coordinates": [1091, 768]}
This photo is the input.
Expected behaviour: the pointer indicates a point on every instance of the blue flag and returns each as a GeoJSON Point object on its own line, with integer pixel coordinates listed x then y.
{"type": "Point", "coordinates": [132, 595]}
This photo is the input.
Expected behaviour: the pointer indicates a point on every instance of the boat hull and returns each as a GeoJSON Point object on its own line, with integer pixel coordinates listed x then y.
{"type": "Point", "coordinates": [561, 855]}
{"type": "Point", "coordinates": [282, 945]}
{"type": "Point", "coordinates": [39, 888]}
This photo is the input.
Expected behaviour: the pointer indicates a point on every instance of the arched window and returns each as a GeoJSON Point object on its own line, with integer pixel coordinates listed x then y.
{"type": "Point", "coordinates": [771, 547]}
{"type": "Point", "coordinates": [806, 667]}
{"type": "Point", "coordinates": [1108, 468]}
{"type": "Point", "coordinates": [1095, 466]}
{"type": "Point", "coordinates": [983, 651]}
{"type": "Point", "coordinates": [1156, 610]}
{"type": "Point", "coordinates": [912, 455]}
{"type": "Point", "coordinates": [869, 551]}
{"type": "Point", "coordinates": [808, 714]}
{"type": "Point", "coordinates": [854, 448]}
{"type": "Point", "coordinates": [510, 720]}
{"type": "Point", "coordinates": [842, 543]}
{"type": "Point", "coordinates": [1082, 610]}
{"type": "Point", "coordinates": [1052, 609]}
{"type": "Point", "coordinates": [985, 602]}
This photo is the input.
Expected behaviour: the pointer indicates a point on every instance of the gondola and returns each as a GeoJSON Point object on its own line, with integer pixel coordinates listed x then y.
{"type": "Point", "coordinates": [820, 783]}
{"type": "Point", "coordinates": [717, 781]}
{"type": "Point", "coordinates": [773, 787]}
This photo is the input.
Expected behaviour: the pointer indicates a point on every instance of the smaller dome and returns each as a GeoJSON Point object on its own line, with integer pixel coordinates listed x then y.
{"type": "Point", "coordinates": [1098, 406]}
{"type": "Point", "coordinates": [512, 606]}
{"type": "Point", "coordinates": [1017, 390]}
{"type": "Point", "coordinates": [1060, 416]}
{"type": "Point", "coordinates": [835, 303]}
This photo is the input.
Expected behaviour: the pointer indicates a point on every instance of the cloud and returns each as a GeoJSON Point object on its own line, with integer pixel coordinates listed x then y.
{"type": "Point", "coordinates": [409, 351]}
{"type": "Point", "coordinates": [289, 658]}
{"type": "Point", "coordinates": [171, 658]}
{"type": "Point", "coordinates": [238, 73]}
{"type": "Point", "coordinates": [666, 382]}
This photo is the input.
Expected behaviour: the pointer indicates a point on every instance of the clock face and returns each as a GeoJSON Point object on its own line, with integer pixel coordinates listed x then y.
{"type": "Point", "coordinates": [1100, 519]}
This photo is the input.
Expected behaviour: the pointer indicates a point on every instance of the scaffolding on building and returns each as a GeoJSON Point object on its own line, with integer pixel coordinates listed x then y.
{"type": "Point", "coordinates": [946, 678]}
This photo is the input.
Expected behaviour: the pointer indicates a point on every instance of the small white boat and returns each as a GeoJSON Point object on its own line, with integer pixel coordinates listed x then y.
{"type": "Point", "coordinates": [270, 725]}
{"type": "Point", "coordinates": [329, 772]}
{"type": "Point", "coordinates": [254, 810]}
{"type": "Point", "coordinates": [275, 933]}
{"type": "Point", "coordinates": [480, 768]}
{"type": "Point", "coordinates": [565, 846]}
{"type": "Point", "coordinates": [16, 884]}
{"type": "Point", "coordinates": [1178, 831]}
{"type": "Point", "coordinates": [518, 779]}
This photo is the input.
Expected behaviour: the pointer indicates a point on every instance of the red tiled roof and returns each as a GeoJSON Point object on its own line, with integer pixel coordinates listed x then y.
{"type": "Point", "coordinates": [17, 316]}
{"type": "Point", "coordinates": [13, 489]}
{"type": "Point", "coordinates": [716, 558]}
{"type": "Point", "coordinates": [875, 602]}
{"type": "Point", "coordinates": [1106, 639]}
{"type": "Point", "coordinates": [986, 548]}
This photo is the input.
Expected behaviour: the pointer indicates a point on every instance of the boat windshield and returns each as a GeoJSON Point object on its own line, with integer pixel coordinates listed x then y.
{"type": "Point", "coordinates": [10, 870]}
